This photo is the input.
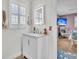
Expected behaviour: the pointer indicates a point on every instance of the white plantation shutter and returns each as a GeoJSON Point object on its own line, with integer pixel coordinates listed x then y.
{"type": "Point", "coordinates": [16, 16]}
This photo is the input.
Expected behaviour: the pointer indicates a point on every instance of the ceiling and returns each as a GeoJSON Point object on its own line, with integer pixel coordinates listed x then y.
{"type": "Point", "coordinates": [66, 7]}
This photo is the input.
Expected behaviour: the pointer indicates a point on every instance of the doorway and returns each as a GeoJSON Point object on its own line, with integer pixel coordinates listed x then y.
{"type": "Point", "coordinates": [67, 37]}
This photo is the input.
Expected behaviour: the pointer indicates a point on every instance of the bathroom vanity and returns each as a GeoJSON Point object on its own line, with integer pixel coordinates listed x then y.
{"type": "Point", "coordinates": [35, 46]}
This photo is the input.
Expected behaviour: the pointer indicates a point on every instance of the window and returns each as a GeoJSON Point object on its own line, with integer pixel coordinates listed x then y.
{"type": "Point", "coordinates": [16, 16]}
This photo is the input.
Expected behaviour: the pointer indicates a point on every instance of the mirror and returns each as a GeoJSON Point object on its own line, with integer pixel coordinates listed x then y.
{"type": "Point", "coordinates": [39, 14]}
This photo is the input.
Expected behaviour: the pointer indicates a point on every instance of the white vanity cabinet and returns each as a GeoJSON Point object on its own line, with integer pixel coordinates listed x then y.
{"type": "Point", "coordinates": [35, 47]}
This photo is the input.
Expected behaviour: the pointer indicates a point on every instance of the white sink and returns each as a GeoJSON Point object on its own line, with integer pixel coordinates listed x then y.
{"type": "Point", "coordinates": [33, 35]}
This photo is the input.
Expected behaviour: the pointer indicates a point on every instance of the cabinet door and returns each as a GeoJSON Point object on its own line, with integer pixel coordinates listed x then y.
{"type": "Point", "coordinates": [33, 45]}
{"type": "Point", "coordinates": [43, 48]}
{"type": "Point", "coordinates": [26, 47]}
{"type": "Point", "coordinates": [29, 47]}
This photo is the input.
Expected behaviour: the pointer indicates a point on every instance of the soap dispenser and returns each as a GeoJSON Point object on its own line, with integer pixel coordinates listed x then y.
{"type": "Point", "coordinates": [34, 30]}
{"type": "Point", "coordinates": [45, 31]}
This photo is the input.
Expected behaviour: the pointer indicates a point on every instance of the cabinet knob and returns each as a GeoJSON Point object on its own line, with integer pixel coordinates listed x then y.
{"type": "Point", "coordinates": [28, 42]}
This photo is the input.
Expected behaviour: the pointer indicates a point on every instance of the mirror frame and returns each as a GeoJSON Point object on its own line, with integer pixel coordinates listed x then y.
{"type": "Point", "coordinates": [42, 15]}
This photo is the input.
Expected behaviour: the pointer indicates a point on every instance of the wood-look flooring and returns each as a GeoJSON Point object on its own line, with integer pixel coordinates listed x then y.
{"type": "Point", "coordinates": [66, 45]}
{"type": "Point", "coordinates": [21, 57]}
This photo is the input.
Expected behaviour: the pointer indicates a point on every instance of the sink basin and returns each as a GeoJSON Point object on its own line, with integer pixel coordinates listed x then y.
{"type": "Point", "coordinates": [33, 35]}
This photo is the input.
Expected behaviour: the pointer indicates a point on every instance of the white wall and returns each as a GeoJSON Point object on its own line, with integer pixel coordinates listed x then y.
{"type": "Point", "coordinates": [50, 18]}
{"type": "Point", "coordinates": [11, 38]}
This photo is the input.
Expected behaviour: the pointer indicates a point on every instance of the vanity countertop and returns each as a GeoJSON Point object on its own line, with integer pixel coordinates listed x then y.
{"type": "Point", "coordinates": [33, 35]}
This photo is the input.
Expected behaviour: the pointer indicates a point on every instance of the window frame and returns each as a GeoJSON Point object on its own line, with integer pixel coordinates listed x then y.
{"type": "Point", "coordinates": [19, 25]}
